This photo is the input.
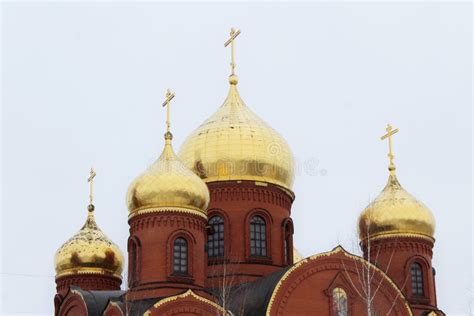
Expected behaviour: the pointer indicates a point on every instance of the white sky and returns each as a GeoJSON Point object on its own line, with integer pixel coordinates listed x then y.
{"type": "Point", "coordinates": [82, 85]}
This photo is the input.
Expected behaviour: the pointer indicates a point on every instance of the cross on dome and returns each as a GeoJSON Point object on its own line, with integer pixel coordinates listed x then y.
{"type": "Point", "coordinates": [233, 35]}
{"type": "Point", "coordinates": [168, 97]}
{"type": "Point", "coordinates": [92, 175]}
{"type": "Point", "coordinates": [390, 132]}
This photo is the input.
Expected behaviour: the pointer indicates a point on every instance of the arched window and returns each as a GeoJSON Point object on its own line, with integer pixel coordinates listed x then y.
{"type": "Point", "coordinates": [287, 243]}
{"type": "Point", "coordinates": [133, 251]}
{"type": "Point", "coordinates": [339, 302]}
{"type": "Point", "coordinates": [215, 242]}
{"type": "Point", "coordinates": [258, 237]}
{"type": "Point", "coordinates": [417, 279]}
{"type": "Point", "coordinates": [180, 256]}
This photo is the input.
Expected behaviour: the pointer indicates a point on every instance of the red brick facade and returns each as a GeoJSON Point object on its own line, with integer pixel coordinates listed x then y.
{"type": "Point", "coordinates": [87, 282]}
{"type": "Point", "coordinates": [72, 305]}
{"type": "Point", "coordinates": [396, 256]}
{"type": "Point", "coordinates": [331, 283]}
{"type": "Point", "coordinates": [307, 289]}
{"type": "Point", "coordinates": [237, 203]}
{"type": "Point", "coordinates": [113, 309]}
{"type": "Point", "coordinates": [150, 249]}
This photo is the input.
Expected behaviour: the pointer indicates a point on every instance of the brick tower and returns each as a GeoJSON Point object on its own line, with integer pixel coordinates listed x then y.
{"type": "Point", "coordinates": [89, 259]}
{"type": "Point", "coordinates": [249, 170]}
{"type": "Point", "coordinates": [396, 232]}
{"type": "Point", "coordinates": [167, 219]}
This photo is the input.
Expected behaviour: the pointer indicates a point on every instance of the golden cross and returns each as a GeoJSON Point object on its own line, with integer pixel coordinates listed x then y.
{"type": "Point", "coordinates": [390, 133]}
{"type": "Point", "coordinates": [92, 175]}
{"type": "Point", "coordinates": [168, 97]}
{"type": "Point", "coordinates": [233, 34]}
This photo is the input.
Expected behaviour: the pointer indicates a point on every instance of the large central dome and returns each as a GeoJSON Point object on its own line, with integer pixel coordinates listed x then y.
{"type": "Point", "coordinates": [235, 144]}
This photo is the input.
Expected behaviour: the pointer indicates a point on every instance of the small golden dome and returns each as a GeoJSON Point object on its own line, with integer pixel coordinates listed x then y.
{"type": "Point", "coordinates": [167, 184]}
{"type": "Point", "coordinates": [395, 212]}
{"type": "Point", "coordinates": [235, 144]}
{"type": "Point", "coordinates": [89, 251]}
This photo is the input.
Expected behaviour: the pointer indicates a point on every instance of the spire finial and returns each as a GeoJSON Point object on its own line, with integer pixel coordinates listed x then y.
{"type": "Point", "coordinates": [233, 35]}
{"type": "Point", "coordinates": [92, 175]}
{"type": "Point", "coordinates": [168, 97]}
{"type": "Point", "coordinates": [389, 134]}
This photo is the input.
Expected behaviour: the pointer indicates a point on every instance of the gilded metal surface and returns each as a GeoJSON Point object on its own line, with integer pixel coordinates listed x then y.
{"type": "Point", "coordinates": [89, 251]}
{"type": "Point", "coordinates": [92, 175]}
{"type": "Point", "coordinates": [396, 212]}
{"type": "Point", "coordinates": [168, 183]}
{"type": "Point", "coordinates": [235, 144]}
{"type": "Point", "coordinates": [390, 132]}
{"type": "Point", "coordinates": [168, 97]}
{"type": "Point", "coordinates": [233, 34]}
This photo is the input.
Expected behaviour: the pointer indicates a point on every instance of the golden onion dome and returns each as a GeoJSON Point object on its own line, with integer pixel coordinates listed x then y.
{"type": "Point", "coordinates": [396, 213]}
{"type": "Point", "coordinates": [235, 144]}
{"type": "Point", "coordinates": [89, 251]}
{"type": "Point", "coordinates": [167, 184]}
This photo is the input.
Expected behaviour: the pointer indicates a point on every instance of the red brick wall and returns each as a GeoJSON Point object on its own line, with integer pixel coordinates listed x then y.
{"type": "Point", "coordinates": [113, 310]}
{"type": "Point", "coordinates": [395, 255]}
{"type": "Point", "coordinates": [237, 201]}
{"type": "Point", "coordinates": [87, 282]}
{"type": "Point", "coordinates": [73, 305]}
{"type": "Point", "coordinates": [307, 290]}
{"type": "Point", "coordinates": [154, 233]}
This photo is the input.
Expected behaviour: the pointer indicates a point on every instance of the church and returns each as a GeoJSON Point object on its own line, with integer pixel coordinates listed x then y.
{"type": "Point", "coordinates": [211, 233]}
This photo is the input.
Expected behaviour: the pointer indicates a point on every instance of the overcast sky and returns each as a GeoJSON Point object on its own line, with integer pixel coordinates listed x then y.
{"type": "Point", "coordinates": [83, 84]}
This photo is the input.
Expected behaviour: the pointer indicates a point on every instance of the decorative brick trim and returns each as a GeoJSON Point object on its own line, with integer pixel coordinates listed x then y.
{"type": "Point", "coordinates": [98, 282]}
{"type": "Point", "coordinates": [169, 219]}
{"type": "Point", "coordinates": [248, 191]}
{"type": "Point", "coordinates": [401, 244]}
